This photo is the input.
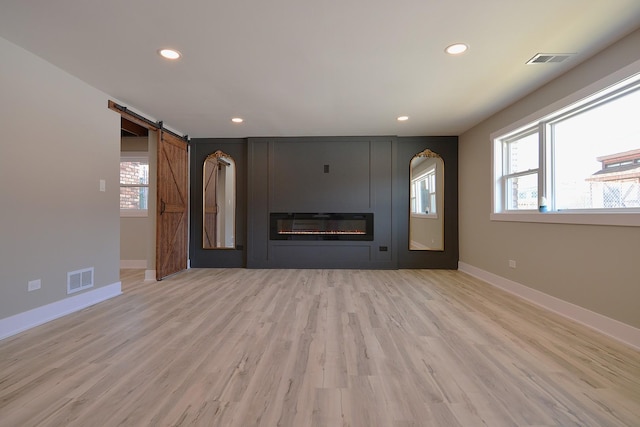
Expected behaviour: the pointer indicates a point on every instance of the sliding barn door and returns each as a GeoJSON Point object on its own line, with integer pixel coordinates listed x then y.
{"type": "Point", "coordinates": [172, 224]}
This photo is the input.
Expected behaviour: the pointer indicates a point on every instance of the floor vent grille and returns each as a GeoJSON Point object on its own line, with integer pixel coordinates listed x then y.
{"type": "Point", "coordinates": [550, 58]}
{"type": "Point", "coordinates": [79, 280]}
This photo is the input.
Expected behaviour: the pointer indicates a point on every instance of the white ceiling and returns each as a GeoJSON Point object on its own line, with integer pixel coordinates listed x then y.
{"type": "Point", "coordinates": [315, 67]}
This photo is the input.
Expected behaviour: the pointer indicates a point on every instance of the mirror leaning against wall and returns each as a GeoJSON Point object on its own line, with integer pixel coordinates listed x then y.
{"type": "Point", "coordinates": [218, 201]}
{"type": "Point", "coordinates": [426, 216]}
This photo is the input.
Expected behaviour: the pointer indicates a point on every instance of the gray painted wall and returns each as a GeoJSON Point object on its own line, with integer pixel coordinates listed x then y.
{"type": "Point", "coordinates": [366, 174]}
{"type": "Point", "coordinates": [447, 148]}
{"type": "Point", "coordinates": [594, 267]}
{"type": "Point", "coordinates": [59, 140]}
{"type": "Point", "coordinates": [134, 238]}
{"type": "Point", "coordinates": [288, 175]}
{"type": "Point", "coordinates": [200, 148]}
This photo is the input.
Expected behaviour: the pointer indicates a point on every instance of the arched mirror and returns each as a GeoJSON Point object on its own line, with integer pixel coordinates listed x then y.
{"type": "Point", "coordinates": [426, 219]}
{"type": "Point", "coordinates": [219, 202]}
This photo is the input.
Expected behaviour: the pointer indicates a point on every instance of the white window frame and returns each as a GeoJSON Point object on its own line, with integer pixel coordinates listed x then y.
{"type": "Point", "coordinates": [502, 162]}
{"type": "Point", "coordinates": [542, 120]}
{"type": "Point", "coordinates": [133, 156]}
{"type": "Point", "coordinates": [429, 175]}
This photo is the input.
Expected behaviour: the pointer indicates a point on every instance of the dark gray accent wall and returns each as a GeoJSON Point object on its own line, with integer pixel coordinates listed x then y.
{"type": "Point", "coordinates": [320, 174]}
{"type": "Point", "coordinates": [325, 174]}
{"type": "Point", "coordinates": [217, 258]}
{"type": "Point", "coordinates": [447, 148]}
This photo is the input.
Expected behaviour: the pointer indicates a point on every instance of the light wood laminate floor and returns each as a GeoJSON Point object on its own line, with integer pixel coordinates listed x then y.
{"type": "Point", "coordinates": [236, 347]}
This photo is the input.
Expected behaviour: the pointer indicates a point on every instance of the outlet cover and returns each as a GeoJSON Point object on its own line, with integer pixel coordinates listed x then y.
{"type": "Point", "coordinates": [34, 285]}
{"type": "Point", "coordinates": [512, 263]}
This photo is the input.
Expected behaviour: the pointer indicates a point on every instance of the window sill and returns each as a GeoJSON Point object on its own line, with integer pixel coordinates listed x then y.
{"type": "Point", "coordinates": [419, 215]}
{"type": "Point", "coordinates": [132, 213]}
{"type": "Point", "coordinates": [628, 219]}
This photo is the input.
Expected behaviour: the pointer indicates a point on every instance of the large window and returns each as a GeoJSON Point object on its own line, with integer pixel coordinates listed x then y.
{"type": "Point", "coordinates": [134, 184]}
{"type": "Point", "coordinates": [582, 159]}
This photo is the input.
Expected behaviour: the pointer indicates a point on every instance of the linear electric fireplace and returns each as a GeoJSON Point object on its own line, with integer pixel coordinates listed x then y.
{"type": "Point", "coordinates": [321, 226]}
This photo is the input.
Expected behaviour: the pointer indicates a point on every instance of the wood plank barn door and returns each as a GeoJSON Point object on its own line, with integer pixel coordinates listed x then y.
{"type": "Point", "coordinates": [172, 215]}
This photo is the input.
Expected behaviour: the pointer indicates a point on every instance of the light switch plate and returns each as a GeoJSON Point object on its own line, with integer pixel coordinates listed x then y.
{"type": "Point", "coordinates": [34, 285]}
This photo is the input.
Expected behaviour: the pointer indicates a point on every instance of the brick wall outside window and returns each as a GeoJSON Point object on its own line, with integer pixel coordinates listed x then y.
{"type": "Point", "coordinates": [134, 173]}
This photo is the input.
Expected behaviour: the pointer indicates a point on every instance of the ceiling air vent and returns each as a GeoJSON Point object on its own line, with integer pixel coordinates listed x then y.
{"type": "Point", "coordinates": [550, 58]}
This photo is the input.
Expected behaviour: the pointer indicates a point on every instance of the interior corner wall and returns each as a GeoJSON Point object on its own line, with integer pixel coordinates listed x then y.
{"type": "Point", "coordinates": [593, 267]}
{"type": "Point", "coordinates": [59, 140]}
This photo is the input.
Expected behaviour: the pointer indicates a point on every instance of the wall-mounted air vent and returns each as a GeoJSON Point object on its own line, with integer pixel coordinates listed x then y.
{"type": "Point", "coordinates": [79, 280]}
{"type": "Point", "coordinates": [550, 58]}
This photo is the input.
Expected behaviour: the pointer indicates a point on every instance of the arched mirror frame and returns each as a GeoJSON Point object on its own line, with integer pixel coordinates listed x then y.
{"type": "Point", "coordinates": [219, 201]}
{"type": "Point", "coordinates": [426, 230]}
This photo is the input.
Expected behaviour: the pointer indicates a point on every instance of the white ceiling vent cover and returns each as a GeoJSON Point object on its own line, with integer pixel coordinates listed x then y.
{"type": "Point", "coordinates": [550, 58]}
{"type": "Point", "coordinates": [79, 280]}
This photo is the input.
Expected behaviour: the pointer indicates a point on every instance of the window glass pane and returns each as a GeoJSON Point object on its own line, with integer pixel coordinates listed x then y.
{"type": "Point", "coordinates": [424, 197]}
{"type": "Point", "coordinates": [134, 172]}
{"type": "Point", "coordinates": [522, 154]}
{"type": "Point", "coordinates": [595, 156]}
{"type": "Point", "coordinates": [413, 197]}
{"type": "Point", "coordinates": [423, 194]}
{"type": "Point", "coordinates": [522, 192]}
{"type": "Point", "coordinates": [134, 197]}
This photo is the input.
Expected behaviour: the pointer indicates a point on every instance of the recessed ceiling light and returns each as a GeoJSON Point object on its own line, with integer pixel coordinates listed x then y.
{"type": "Point", "coordinates": [456, 48]}
{"type": "Point", "coordinates": [237, 120]}
{"type": "Point", "coordinates": [169, 53]}
{"type": "Point", "coordinates": [403, 118]}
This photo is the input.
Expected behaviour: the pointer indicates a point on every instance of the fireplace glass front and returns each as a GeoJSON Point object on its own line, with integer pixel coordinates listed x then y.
{"type": "Point", "coordinates": [321, 226]}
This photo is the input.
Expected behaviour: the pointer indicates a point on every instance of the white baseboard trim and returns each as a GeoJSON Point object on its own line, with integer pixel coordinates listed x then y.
{"type": "Point", "coordinates": [149, 275]}
{"type": "Point", "coordinates": [133, 263]}
{"type": "Point", "coordinates": [605, 325]}
{"type": "Point", "coordinates": [26, 320]}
